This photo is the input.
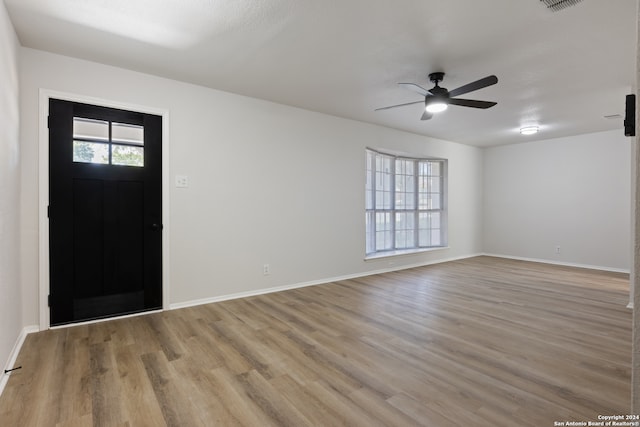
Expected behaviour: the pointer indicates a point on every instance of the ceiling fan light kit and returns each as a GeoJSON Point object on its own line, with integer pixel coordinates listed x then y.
{"type": "Point", "coordinates": [436, 106]}
{"type": "Point", "coordinates": [438, 98]}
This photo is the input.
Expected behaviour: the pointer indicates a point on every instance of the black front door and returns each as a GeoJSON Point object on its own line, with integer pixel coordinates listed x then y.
{"type": "Point", "coordinates": [105, 211]}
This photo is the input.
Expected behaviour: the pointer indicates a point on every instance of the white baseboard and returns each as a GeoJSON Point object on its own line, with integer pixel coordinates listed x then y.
{"type": "Point", "coordinates": [14, 354]}
{"type": "Point", "coordinates": [310, 283]}
{"type": "Point", "coordinates": [566, 264]}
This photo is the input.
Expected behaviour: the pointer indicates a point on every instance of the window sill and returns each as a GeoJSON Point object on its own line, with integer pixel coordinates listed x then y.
{"type": "Point", "coordinates": [388, 254]}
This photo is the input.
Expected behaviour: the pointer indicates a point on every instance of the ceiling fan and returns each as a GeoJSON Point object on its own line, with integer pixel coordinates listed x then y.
{"type": "Point", "coordinates": [438, 98]}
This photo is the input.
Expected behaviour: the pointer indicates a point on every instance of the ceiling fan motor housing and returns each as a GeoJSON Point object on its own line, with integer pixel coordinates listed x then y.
{"type": "Point", "coordinates": [437, 94]}
{"type": "Point", "coordinates": [436, 77]}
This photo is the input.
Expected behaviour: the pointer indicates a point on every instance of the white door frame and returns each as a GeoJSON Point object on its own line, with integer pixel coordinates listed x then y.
{"type": "Point", "coordinates": [43, 190]}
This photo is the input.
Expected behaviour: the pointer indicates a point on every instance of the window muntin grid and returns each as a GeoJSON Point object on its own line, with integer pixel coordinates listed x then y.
{"type": "Point", "coordinates": [404, 201]}
{"type": "Point", "coordinates": [106, 142]}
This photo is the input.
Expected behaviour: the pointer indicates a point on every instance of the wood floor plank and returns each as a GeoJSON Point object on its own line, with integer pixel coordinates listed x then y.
{"type": "Point", "coordinates": [419, 411]}
{"type": "Point", "coordinates": [107, 407]}
{"type": "Point", "coordinates": [203, 391]}
{"type": "Point", "coordinates": [236, 400]}
{"type": "Point", "coordinates": [481, 341]}
{"type": "Point", "coordinates": [312, 406]}
{"type": "Point", "coordinates": [84, 421]}
{"type": "Point", "coordinates": [141, 405]}
{"type": "Point", "coordinates": [260, 391]}
{"type": "Point", "coordinates": [380, 410]}
{"type": "Point", "coordinates": [174, 402]}
{"type": "Point", "coordinates": [74, 393]}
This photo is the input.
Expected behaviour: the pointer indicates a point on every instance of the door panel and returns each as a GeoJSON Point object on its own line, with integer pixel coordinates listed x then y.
{"type": "Point", "coordinates": [88, 239]}
{"type": "Point", "coordinates": [129, 262]}
{"type": "Point", "coordinates": [105, 211]}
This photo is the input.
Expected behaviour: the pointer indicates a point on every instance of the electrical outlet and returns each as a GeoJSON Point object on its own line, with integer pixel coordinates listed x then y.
{"type": "Point", "coordinates": [182, 181]}
{"type": "Point", "coordinates": [266, 269]}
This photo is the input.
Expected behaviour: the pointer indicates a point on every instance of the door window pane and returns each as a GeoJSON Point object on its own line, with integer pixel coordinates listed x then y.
{"type": "Point", "coordinates": [90, 152]}
{"type": "Point", "coordinates": [105, 142]}
{"type": "Point", "coordinates": [128, 134]}
{"type": "Point", "coordinates": [127, 155]}
{"type": "Point", "coordinates": [90, 129]}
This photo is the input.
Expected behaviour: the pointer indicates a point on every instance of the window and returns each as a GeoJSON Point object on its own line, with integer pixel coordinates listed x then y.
{"type": "Point", "coordinates": [106, 142]}
{"type": "Point", "coordinates": [405, 203]}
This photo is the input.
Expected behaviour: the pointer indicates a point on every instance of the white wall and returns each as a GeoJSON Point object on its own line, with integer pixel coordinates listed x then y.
{"type": "Point", "coordinates": [569, 192]}
{"type": "Point", "coordinates": [267, 183]}
{"type": "Point", "coordinates": [10, 317]}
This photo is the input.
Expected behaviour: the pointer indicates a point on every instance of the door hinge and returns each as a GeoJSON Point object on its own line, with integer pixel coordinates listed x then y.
{"type": "Point", "coordinates": [48, 211]}
{"type": "Point", "coordinates": [48, 300]}
{"type": "Point", "coordinates": [48, 122]}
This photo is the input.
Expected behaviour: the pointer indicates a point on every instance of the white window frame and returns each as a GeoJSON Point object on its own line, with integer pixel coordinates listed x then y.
{"type": "Point", "coordinates": [372, 208]}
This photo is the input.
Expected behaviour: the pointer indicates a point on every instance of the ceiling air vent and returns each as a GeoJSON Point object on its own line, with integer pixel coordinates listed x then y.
{"type": "Point", "coordinates": [556, 5]}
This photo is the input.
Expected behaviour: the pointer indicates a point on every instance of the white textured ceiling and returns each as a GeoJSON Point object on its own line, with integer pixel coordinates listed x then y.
{"type": "Point", "coordinates": [563, 71]}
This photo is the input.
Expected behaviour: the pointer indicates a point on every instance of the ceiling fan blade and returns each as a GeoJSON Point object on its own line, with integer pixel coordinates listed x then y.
{"type": "Point", "coordinates": [478, 84]}
{"type": "Point", "coordinates": [426, 116]}
{"type": "Point", "coordinates": [471, 103]}
{"type": "Point", "coordinates": [415, 88]}
{"type": "Point", "coordinates": [399, 105]}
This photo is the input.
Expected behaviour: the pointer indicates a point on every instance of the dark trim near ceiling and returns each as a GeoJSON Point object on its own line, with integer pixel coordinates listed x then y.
{"type": "Point", "coordinates": [557, 5]}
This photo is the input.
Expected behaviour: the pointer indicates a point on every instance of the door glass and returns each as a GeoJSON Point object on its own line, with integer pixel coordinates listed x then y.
{"type": "Point", "coordinates": [90, 152]}
{"type": "Point", "coordinates": [95, 130]}
{"type": "Point", "coordinates": [127, 155]}
{"type": "Point", "coordinates": [128, 134]}
{"type": "Point", "coordinates": [106, 142]}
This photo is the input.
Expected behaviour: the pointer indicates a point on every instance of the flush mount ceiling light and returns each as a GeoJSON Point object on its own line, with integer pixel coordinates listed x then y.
{"type": "Point", "coordinates": [529, 130]}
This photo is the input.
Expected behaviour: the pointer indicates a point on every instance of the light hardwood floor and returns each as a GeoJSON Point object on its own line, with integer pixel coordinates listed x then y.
{"type": "Point", "coordinates": [477, 342]}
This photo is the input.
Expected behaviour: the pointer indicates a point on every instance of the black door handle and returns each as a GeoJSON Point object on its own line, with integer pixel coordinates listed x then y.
{"type": "Point", "coordinates": [156, 227]}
